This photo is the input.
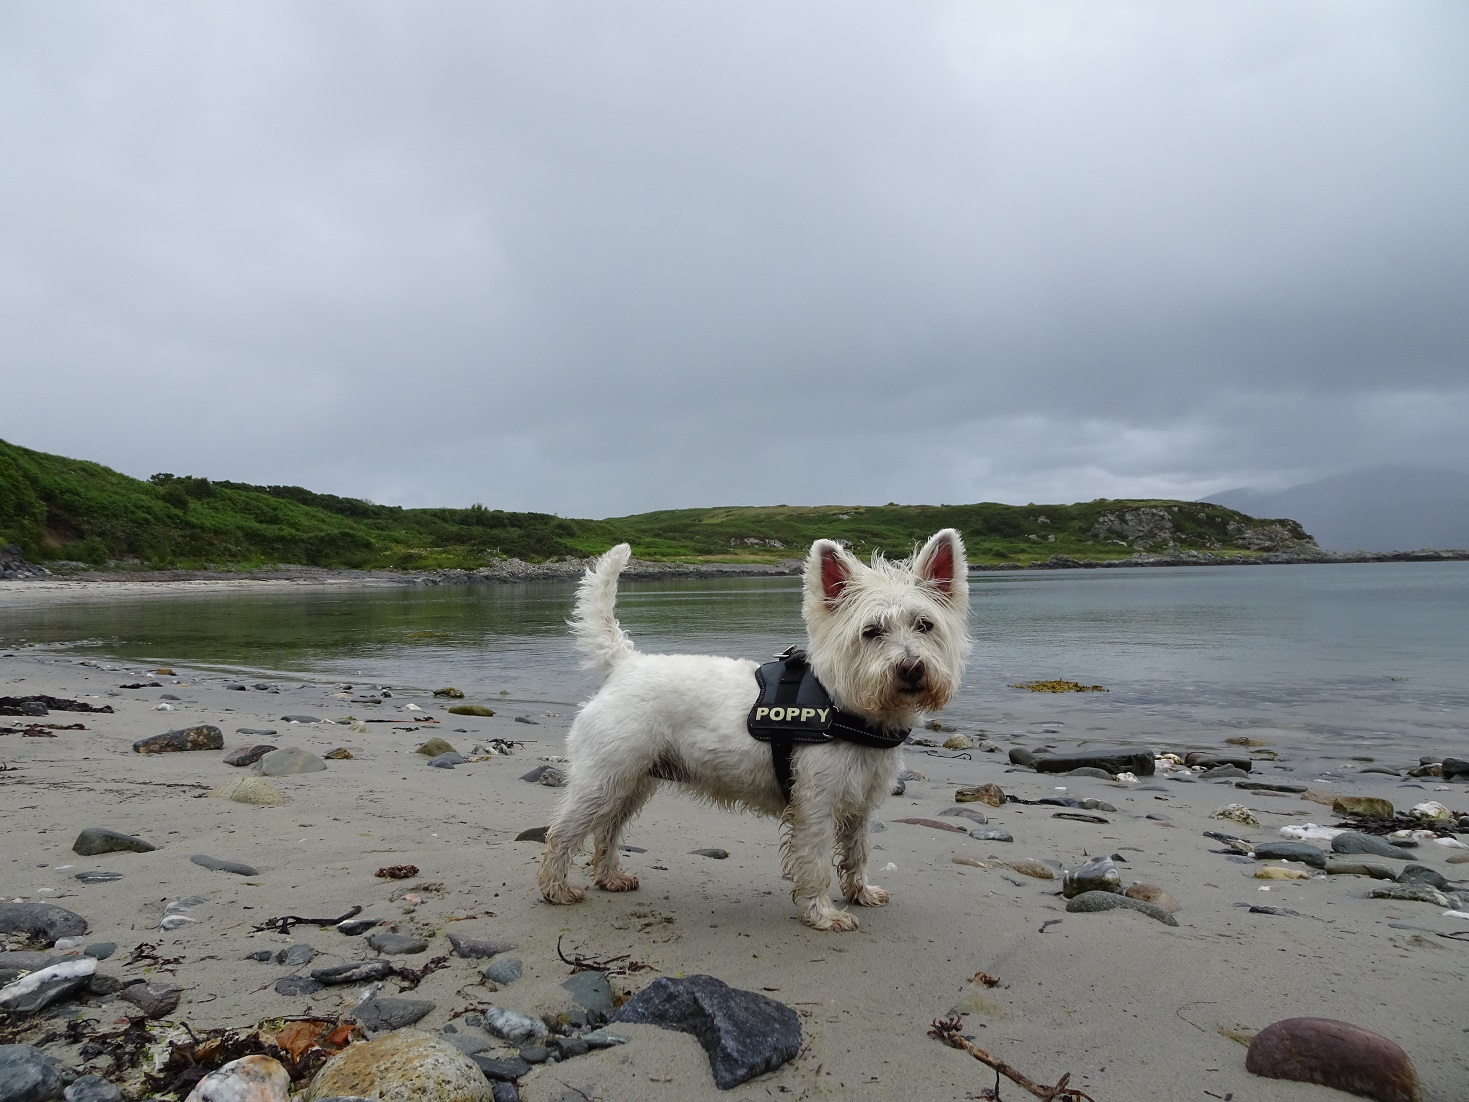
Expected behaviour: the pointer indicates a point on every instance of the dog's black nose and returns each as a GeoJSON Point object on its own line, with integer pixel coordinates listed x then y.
{"type": "Point", "coordinates": [911, 671]}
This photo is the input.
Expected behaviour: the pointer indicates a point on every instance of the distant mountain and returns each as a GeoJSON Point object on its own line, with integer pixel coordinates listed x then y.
{"type": "Point", "coordinates": [1370, 509]}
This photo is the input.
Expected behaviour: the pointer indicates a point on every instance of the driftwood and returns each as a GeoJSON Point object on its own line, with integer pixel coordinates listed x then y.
{"type": "Point", "coordinates": [284, 923]}
{"type": "Point", "coordinates": [611, 966]}
{"type": "Point", "coordinates": [947, 1031]}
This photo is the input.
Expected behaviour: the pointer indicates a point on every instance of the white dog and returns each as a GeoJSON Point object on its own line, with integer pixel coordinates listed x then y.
{"type": "Point", "coordinates": [886, 641]}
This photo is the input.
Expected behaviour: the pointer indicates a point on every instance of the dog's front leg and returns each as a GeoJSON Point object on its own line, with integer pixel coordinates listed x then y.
{"type": "Point", "coordinates": [807, 859]}
{"type": "Point", "coordinates": [854, 845]}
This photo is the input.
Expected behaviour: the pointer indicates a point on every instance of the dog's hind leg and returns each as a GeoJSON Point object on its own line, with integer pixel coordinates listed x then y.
{"type": "Point", "coordinates": [580, 808]}
{"type": "Point", "coordinates": [854, 845]}
{"type": "Point", "coordinates": [607, 832]}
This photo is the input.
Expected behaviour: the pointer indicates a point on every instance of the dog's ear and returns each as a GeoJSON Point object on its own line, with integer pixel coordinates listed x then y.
{"type": "Point", "coordinates": [942, 567]}
{"type": "Point", "coordinates": [830, 568]}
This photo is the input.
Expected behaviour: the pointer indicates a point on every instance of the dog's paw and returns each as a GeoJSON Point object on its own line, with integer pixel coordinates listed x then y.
{"type": "Point", "coordinates": [619, 882]}
{"type": "Point", "coordinates": [830, 919]}
{"type": "Point", "coordinates": [871, 895]}
{"type": "Point", "coordinates": [564, 893]}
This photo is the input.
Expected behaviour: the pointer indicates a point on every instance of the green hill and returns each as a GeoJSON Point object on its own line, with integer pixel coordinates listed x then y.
{"type": "Point", "coordinates": [67, 509]}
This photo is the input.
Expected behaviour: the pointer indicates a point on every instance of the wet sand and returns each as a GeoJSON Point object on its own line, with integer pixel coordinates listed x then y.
{"type": "Point", "coordinates": [1131, 1008]}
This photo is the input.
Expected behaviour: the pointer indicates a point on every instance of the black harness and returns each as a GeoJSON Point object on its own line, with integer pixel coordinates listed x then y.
{"type": "Point", "coordinates": [792, 706]}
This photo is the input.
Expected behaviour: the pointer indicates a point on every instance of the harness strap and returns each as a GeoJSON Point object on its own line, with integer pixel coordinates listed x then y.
{"type": "Point", "coordinates": [782, 746]}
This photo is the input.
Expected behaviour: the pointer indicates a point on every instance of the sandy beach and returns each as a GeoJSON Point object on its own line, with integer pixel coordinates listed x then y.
{"type": "Point", "coordinates": [1131, 1008]}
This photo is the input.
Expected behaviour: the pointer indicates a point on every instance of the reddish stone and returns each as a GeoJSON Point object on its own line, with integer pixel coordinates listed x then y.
{"type": "Point", "coordinates": [1334, 1054]}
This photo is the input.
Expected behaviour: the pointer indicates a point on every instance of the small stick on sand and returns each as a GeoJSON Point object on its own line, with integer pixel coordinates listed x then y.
{"type": "Point", "coordinates": [947, 1031]}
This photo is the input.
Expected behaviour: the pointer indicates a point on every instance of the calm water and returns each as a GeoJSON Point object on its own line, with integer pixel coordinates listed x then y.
{"type": "Point", "coordinates": [1341, 658]}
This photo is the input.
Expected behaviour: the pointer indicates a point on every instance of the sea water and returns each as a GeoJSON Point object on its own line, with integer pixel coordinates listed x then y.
{"type": "Point", "coordinates": [1333, 661]}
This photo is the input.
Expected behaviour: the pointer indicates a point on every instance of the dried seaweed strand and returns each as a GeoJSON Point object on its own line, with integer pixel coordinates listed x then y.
{"type": "Point", "coordinates": [947, 1031]}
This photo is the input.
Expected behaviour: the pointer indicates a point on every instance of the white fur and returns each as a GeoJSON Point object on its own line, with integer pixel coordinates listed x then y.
{"type": "Point", "coordinates": [888, 641]}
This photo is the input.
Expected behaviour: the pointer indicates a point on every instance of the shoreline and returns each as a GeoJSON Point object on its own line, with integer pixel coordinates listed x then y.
{"type": "Point", "coordinates": [1077, 992]}
{"type": "Point", "coordinates": [514, 571]}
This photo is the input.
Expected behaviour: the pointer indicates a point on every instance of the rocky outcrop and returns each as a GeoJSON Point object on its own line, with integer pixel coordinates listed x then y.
{"type": "Point", "coordinates": [1143, 528]}
{"type": "Point", "coordinates": [13, 565]}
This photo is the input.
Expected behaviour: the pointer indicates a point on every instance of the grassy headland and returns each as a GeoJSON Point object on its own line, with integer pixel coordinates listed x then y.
{"type": "Point", "coordinates": [56, 508]}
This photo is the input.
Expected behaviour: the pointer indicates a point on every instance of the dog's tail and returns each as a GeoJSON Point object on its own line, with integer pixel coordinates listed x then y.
{"type": "Point", "coordinates": [594, 623]}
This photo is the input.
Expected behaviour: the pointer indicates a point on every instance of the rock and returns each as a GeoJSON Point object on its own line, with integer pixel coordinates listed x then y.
{"type": "Point", "coordinates": [220, 864]}
{"type": "Point", "coordinates": [258, 732]}
{"type": "Point", "coordinates": [1080, 817]}
{"type": "Point", "coordinates": [248, 1079]}
{"type": "Point", "coordinates": [712, 852]}
{"type": "Point", "coordinates": [469, 1043]}
{"type": "Point", "coordinates": [1108, 901]}
{"type": "Point", "coordinates": [1432, 810]}
{"type": "Point", "coordinates": [1334, 1054]}
{"type": "Point", "coordinates": [1208, 759]}
{"type": "Point", "coordinates": [470, 710]}
{"type": "Point", "coordinates": [591, 991]}
{"type": "Point", "coordinates": [101, 950]}
{"type": "Point", "coordinates": [1223, 773]}
{"type": "Point", "coordinates": [534, 834]}
{"type": "Point", "coordinates": [511, 1026]}
{"type": "Point", "coordinates": [1363, 807]}
{"type": "Point", "coordinates": [567, 1047]}
{"type": "Point", "coordinates": [1268, 786]}
{"type": "Point", "coordinates": [745, 1034]}
{"type": "Point", "coordinates": [1335, 866]}
{"type": "Point", "coordinates": [450, 692]}
{"type": "Point", "coordinates": [1422, 874]}
{"type": "Point", "coordinates": [256, 791]}
{"type": "Point", "coordinates": [95, 840]}
{"type": "Point", "coordinates": [289, 761]}
{"type": "Point", "coordinates": [248, 755]}
{"type": "Point", "coordinates": [358, 972]}
{"type": "Point", "coordinates": [385, 941]}
{"type": "Point", "coordinates": [293, 956]}
{"type": "Point", "coordinates": [1112, 761]}
{"type": "Point", "coordinates": [435, 746]}
{"type": "Point", "coordinates": [382, 1013]}
{"type": "Point", "coordinates": [47, 985]}
{"type": "Point", "coordinates": [1098, 874]}
{"type": "Point", "coordinates": [991, 834]}
{"type": "Point", "coordinates": [1021, 756]}
{"type": "Point", "coordinates": [528, 721]}
{"type": "Point", "coordinates": [478, 948]}
{"type": "Point", "coordinates": [155, 1000]}
{"type": "Point", "coordinates": [1097, 805]}
{"type": "Point", "coordinates": [933, 824]}
{"type": "Point", "coordinates": [501, 1068]}
{"type": "Point", "coordinates": [1454, 767]}
{"type": "Point", "coordinates": [448, 760]}
{"type": "Point", "coordinates": [98, 876]}
{"type": "Point", "coordinates": [407, 1065]}
{"type": "Point", "coordinates": [1152, 893]}
{"type": "Point", "coordinates": [1279, 872]}
{"type": "Point", "coordinates": [1089, 771]}
{"type": "Point", "coordinates": [297, 985]}
{"type": "Point", "coordinates": [1412, 893]}
{"type": "Point", "coordinates": [1237, 813]}
{"type": "Point", "coordinates": [341, 753]}
{"type": "Point", "coordinates": [41, 920]}
{"type": "Point", "coordinates": [1029, 866]}
{"type": "Point", "coordinates": [205, 736]}
{"type": "Point", "coordinates": [969, 813]}
{"type": "Point", "coordinates": [990, 794]}
{"type": "Point", "coordinates": [503, 972]}
{"type": "Point", "coordinates": [1291, 851]}
{"type": "Point", "coordinates": [354, 926]}
{"type": "Point", "coordinates": [1351, 841]}
{"type": "Point", "coordinates": [604, 1038]}
{"type": "Point", "coordinates": [26, 1075]}
{"type": "Point", "coordinates": [958, 742]}
{"type": "Point", "coordinates": [300, 719]}
{"type": "Point", "coordinates": [92, 1088]}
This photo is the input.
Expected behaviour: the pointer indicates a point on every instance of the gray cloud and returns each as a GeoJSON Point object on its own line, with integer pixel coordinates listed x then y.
{"type": "Point", "coordinates": [597, 260]}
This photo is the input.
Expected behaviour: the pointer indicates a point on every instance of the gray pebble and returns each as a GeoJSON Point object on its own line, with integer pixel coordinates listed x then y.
{"type": "Point", "coordinates": [503, 971]}
{"type": "Point", "coordinates": [95, 840]}
{"type": "Point", "coordinates": [100, 950]}
{"type": "Point", "coordinates": [26, 1075]}
{"type": "Point", "coordinates": [98, 876]}
{"type": "Point", "coordinates": [382, 1013]}
{"type": "Point", "coordinates": [713, 851]}
{"type": "Point", "coordinates": [293, 956]}
{"type": "Point", "coordinates": [385, 941]}
{"type": "Point", "coordinates": [92, 1088]}
{"type": "Point", "coordinates": [961, 812]}
{"type": "Point", "coordinates": [297, 985]}
{"type": "Point", "coordinates": [1106, 901]}
{"type": "Point", "coordinates": [592, 991]}
{"type": "Point", "coordinates": [220, 864]}
{"type": "Point", "coordinates": [991, 834]}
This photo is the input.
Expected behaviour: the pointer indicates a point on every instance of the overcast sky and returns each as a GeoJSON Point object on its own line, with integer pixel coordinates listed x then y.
{"type": "Point", "coordinates": [599, 258]}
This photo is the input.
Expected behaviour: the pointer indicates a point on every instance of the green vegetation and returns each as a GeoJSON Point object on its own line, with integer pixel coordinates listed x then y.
{"type": "Point", "coordinates": [66, 509]}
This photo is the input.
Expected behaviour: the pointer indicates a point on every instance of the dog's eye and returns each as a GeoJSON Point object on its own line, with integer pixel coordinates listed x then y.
{"type": "Point", "coordinates": [924, 626]}
{"type": "Point", "coordinates": [872, 631]}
